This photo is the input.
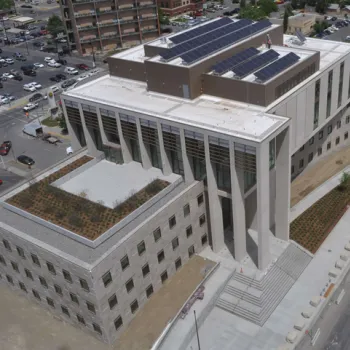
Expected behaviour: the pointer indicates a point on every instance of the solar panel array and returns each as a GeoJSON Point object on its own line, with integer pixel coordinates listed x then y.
{"type": "Point", "coordinates": [233, 61]}
{"type": "Point", "coordinates": [177, 39]}
{"type": "Point", "coordinates": [277, 67]}
{"type": "Point", "coordinates": [203, 39]}
{"type": "Point", "coordinates": [229, 39]}
{"type": "Point", "coordinates": [255, 63]}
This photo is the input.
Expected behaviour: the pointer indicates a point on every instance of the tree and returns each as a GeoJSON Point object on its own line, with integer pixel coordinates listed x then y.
{"type": "Point", "coordinates": [62, 123]}
{"type": "Point", "coordinates": [321, 6]}
{"type": "Point", "coordinates": [162, 19]}
{"type": "Point", "coordinates": [6, 4]}
{"type": "Point", "coordinates": [267, 6]}
{"type": "Point", "coordinates": [285, 21]}
{"type": "Point", "coordinates": [289, 9]}
{"type": "Point", "coordinates": [242, 4]}
{"type": "Point", "coordinates": [55, 25]}
{"type": "Point", "coordinates": [252, 12]}
{"type": "Point", "coordinates": [294, 4]}
{"type": "Point", "coordinates": [253, 2]}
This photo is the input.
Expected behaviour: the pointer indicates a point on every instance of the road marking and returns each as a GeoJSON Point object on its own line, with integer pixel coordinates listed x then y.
{"type": "Point", "coordinates": [314, 339]}
{"type": "Point", "coordinates": [340, 297]}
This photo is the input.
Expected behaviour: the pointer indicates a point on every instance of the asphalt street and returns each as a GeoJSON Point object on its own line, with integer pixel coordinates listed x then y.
{"type": "Point", "coordinates": [9, 179]}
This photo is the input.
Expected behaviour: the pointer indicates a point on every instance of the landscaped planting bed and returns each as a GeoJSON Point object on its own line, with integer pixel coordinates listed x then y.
{"type": "Point", "coordinates": [312, 227]}
{"type": "Point", "coordinates": [77, 213]}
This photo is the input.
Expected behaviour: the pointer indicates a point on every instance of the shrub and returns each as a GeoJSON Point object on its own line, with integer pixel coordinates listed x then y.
{"type": "Point", "coordinates": [75, 220]}
{"type": "Point", "coordinates": [49, 209]}
{"type": "Point", "coordinates": [95, 218]}
{"type": "Point", "coordinates": [26, 200]}
{"type": "Point", "coordinates": [60, 214]}
{"type": "Point", "coordinates": [154, 187]}
{"type": "Point", "coordinates": [83, 194]}
{"type": "Point", "coordinates": [344, 181]}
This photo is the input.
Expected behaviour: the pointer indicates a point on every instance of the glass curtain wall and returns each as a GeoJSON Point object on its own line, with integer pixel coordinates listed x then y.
{"type": "Point", "coordinates": [172, 146]}
{"type": "Point", "coordinates": [196, 154]}
{"type": "Point", "coordinates": [129, 130]}
{"type": "Point", "coordinates": [150, 139]}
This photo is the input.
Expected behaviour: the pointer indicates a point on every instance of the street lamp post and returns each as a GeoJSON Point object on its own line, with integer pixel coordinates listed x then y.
{"type": "Point", "coordinates": [195, 320]}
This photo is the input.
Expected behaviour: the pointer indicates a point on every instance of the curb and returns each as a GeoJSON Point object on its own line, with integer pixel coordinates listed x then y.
{"type": "Point", "coordinates": [56, 134]}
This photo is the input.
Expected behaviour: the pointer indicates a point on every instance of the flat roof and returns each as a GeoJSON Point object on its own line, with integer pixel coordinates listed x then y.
{"type": "Point", "coordinates": [22, 19]}
{"type": "Point", "coordinates": [208, 112]}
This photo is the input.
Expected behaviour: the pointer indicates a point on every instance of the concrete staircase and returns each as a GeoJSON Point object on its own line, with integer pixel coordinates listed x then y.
{"type": "Point", "coordinates": [255, 300]}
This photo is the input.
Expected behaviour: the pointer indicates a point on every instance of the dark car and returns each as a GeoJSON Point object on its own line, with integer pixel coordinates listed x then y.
{"type": "Point", "coordinates": [27, 7]}
{"type": "Point", "coordinates": [18, 77]}
{"type": "Point", "coordinates": [55, 79]}
{"type": "Point", "coordinates": [61, 76]}
{"type": "Point", "coordinates": [25, 160]}
{"type": "Point", "coordinates": [62, 61]}
{"type": "Point", "coordinates": [5, 148]}
{"type": "Point", "coordinates": [31, 73]}
{"type": "Point", "coordinates": [21, 58]}
{"type": "Point", "coordinates": [1, 86]}
{"type": "Point", "coordinates": [68, 83]}
{"type": "Point", "coordinates": [36, 97]}
{"type": "Point", "coordinates": [82, 66]}
{"type": "Point", "coordinates": [334, 18]}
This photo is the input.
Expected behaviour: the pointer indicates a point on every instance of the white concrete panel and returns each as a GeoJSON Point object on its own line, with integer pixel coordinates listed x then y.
{"type": "Point", "coordinates": [310, 109]}
{"type": "Point", "coordinates": [292, 113]}
{"type": "Point", "coordinates": [323, 100]}
{"type": "Point", "coordinates": [301, 110]}
{"type": "Point", "coordinates": [335, 89]}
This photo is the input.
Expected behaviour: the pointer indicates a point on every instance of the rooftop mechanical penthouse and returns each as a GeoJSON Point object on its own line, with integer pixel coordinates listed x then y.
{"type": "Point", "coordinates": [191, 141]}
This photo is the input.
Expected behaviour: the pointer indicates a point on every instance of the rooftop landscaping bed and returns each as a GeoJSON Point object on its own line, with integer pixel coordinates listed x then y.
{"type": "Point", "coordinates": [312, 227]}
{"type": "Point", "coordinates": [75, 212]}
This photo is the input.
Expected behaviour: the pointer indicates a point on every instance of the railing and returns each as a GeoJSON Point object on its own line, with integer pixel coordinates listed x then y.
{"type": "Point", "coordinates": [148, 18]}
{"type": "Point", "coordinates": [149, 30]}
{"type": "Point", "coordinates": [89, 40]}
{"type": "Point", "coordinates": [86, 28]}
{"type": "Point", "coordinates": [101, 12]}
{"type": "Point", "coordinates": [130, 33]}
{"type": "Point", "coordinates": [124, 21]}
{"type": "Point", "coordinates": [108, 24]}
{"type": "Point", "coordinates": [77, 2]}
{"type": "Point", "coordinates": [108, 36]}
{"type": "Point", "coordinates": [85, 14]}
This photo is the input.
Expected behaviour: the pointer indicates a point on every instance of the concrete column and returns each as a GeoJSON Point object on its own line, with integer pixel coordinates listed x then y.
{"type": "Point", "coordinates": [75, 144]}
{"type": "Point", "coordinates": [238, 207]}
{"type": "Point", "coordinates": [283, 166]}
{"type": "Point", "coordinates": [145, 157]}
{"type": "Point", "coordinates": [263, 205]}
{"type": "Point", "coordinates": [103, 135]}
{"type": "Point", "coordinates": [127, 157]}
{"type": "Point", "coordinates": [215, 206]}
{"type": "Point", "coordinates": [188, 173]}
{"type": "Point", "coordinates": [165, 161]}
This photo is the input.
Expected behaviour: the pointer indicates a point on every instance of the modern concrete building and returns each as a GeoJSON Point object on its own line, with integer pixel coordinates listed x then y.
{"type": "Point", "coordinates": [103, 26]}
{"type": "Point", "coordinates": [226, 113]}
{"type": "Point", "coordinates": [304, 22]}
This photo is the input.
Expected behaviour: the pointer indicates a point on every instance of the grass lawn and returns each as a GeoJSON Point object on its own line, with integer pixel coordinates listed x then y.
{"type": "Point", "coordinates": [50, 122]}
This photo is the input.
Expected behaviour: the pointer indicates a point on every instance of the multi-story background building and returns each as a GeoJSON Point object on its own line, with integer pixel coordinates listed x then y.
{"type": "Point", "coordinates": [106, 25]}
{"type": "Point", "coordinates": [176, 7]}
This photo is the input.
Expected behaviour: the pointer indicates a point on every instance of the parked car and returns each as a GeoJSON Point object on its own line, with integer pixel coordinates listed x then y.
{"type": "Point", "coordinates": [31, 73]}
{"type": "Point", "coordinates": [334, 18]}
{"type": "Point", "coordinates": [21, 58]}
{"type": "Point", "coordinates": [37, 97]}
{"type": "Point", "coordinates": [55, 89]}
{"type": "Point", "coordinates": [82, 66]}
{"type": "Point", "coordinates": [30, 106]}
{"type": "Point", "coordinates": [9, 61]}
{"type": "Point", "coordinates": [4, 100]}
{"type": "Point", "coordinates": [71, 71]}
{"type": "Point", "coordinates": [27, 6]}
{"type": "Point", "coordinates": [18, 77]}
{"type": "Point", "coordinates": [36, 85]}
{"type": "Point", "coordinates": [55, 79]}
{"type": "Point", "coordinates": [61, 76]}
{"type": "Point", "coordinates": [10, 97]}
{"type": "Point", "coordinates": [48, 59]}
{"type": "Point", "coordinates": [68, 83]}
{"type": "Point", "coordinates": [54, 64]}
{"type": "Point", "coordinates": [8, 75]}
{"type": "Point", "coordinates": [38, 65]}
{"type": "Point", "coordinates": [25, 160]}
{"type": "Point", "coordinates": [62, 61]}
{"type": "Point", "coordinates": [5, 148]}
{"type": "Point", "coordinates": [29, 88]}
{"type": "Point", "coordinates": [82, 77]}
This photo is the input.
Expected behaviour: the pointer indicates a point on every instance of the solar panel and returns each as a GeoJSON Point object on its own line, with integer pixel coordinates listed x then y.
{"type": "Point", "coordinates": [204, 39]}
{"type": "Point", "coordinates": [300, 35]}
{"type": "Point", "coordinates": [255, 63]}
{"type": "Point", "coordinates": [177, 39]}
{"type": "Point", "coordinates": [231, 38]}
{"type": "Point", "coordinates": [277, 67]}
{"type": "Point", "coordinates": [230, 62]}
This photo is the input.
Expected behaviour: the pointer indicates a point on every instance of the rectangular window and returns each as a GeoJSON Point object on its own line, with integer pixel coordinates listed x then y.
{"type": "Point", "coordinates": [189, 231]}
{"type": "Point", "coordinates": [311, 157]}
{"type": "Point", "coordinates": [58, 289]}
{"type": "Point", "coordinates": [340, 88]}
{"type": "Point", "coordinates": [22, 286]}
{"type": "Point", "coordinates": [36, 294]}
{"type": "Point", "coordinates": [134, 306]}
{"type": "Point", "coordinates": [202, 220]}
{"type": "Point", "coordinates": [91, 307]}
{"type": "Point", "coordinates": [129, 285]}
{"type": "Point", "coordinates": [67, 276]}
{"type": "Point", "coordinates": [338, 124]}
{"type": "Point", "coordinates": [329, 93]}
{"type": "Point", "coordinates": [7, 245]}
{"type": "Point", "coordinates": [84, 284]}
{"type": "Point", "coordinates": [292, 169]}
{"type": "Point", "coordinates": [81, 319]}
{"type": "Point", "coordinates": [317, 103]}
{"type": "Point", "coordinates": [301, 163]}
{"type": "Point", "coordinates": [178, 263]}
{"type": "Point", "coordinates": [337, 140]}
{"type": "Point", "coordinates": [200, 199]}
{"type": "Point", "coordinates": [112, 301]}
{"type": "Point", "coordinates": [204, 239]}
{"type": "Point", "coordinates": [301, 148]}
{"type": "Point", "coordinates": [28, 274]}
{"type": "Point", "coordinates": [50, 302]}
{"type": "Point", "coordinates": [74, 298]}
{"type": "Point", "coordinates": [320, 135]}
{"type": "Point", "coordinates": [2, 260]}
{"type": "Point", "coordinates": [172, 221]}
{"type": "Point", "coordinates": [329, 129]}
{"type": "Point", "coordinates": [51, 268]}
{"type": "Point", "coordinates": [149, 290]}
{"type": "Point", "coordinates": [65, 310]}
{"type": "Point", "coordinates": [9, 279]}
{"type": "Point", "coordinates": [311, 141]}
{"type": "Point", "coordinates": [328, 146]}
{"type": "Point", "coordinates": [164, 276]}
{"type": "Point", "coordinates": [319, 151]}
{"type": "Point", "coordinates": [175, 243]}
{"type": "Point", "coordinates": [107, 278]}
{"type": "Point", "coordinates": [118, 322]}
{"type": "Point", "coordinates": [124, 262]}
{"type": "Point", "coordinates": [145, 270]}
{"type": "Point", "coordinates": [15, 266]}
{"type": "Point", "coordinates": [157, 234]}
{"type": "Point", "coordinates": [190, 251]}
{"type": "Point", "coordinates": [141, 247]}
{"type": "Point", "coordinates": [20, 252]}
{"type": "Point", "coordinates": [160, 256]}
{"type": "Point", "coordinates": [97, 328]}
{"type": "Point", "coordinates": [346, 135]}
{"type": "Point", "coordinates": [187, 210]}
{"type": "Point", "coordinates": [347, 120]}
{"type": "Point", "coordinates": [35, 260]}
{"type": "Point", "coordinates": [43, 282]}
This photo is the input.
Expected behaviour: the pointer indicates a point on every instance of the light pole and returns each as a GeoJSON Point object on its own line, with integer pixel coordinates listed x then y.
{"type": "Point", "coordinates": [93, 55]}
{"type": "Point", "coordinates": [195, 320]}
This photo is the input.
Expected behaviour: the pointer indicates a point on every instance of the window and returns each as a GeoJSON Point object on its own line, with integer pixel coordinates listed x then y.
{"type": "Point", "coordinates": [81, 319]}
{"type": "Point", "coordinates": [134, 306]}
{"type": "Point", "coordinates": [301, 148]}
{"type": "Point", "coordinates": [202, 220]}
{"type": "Point", "coordinates": [329, 129]}
{"type": "Point", "coordinates": [107, 278]}
{"type": "Point", "coordinates": [58, 289]}
{"type": "Point", "coordinates": [141, 247]}
{"type": "Point", "coordinates": [36, 294]}
{"type": "Point", "coordinates": [189, 231]}
{"type": "Point", "coordinates": [91, 307]}
{"type": "Point", "coordinates": [164, 276]}
{"type": "Point", "coordinates": [347, 120]}
{"type": "Point", "coordinates": [190, 251]}
{"type": "Point", "coordinates": [204, 239]}
{"type": "Point", "coordinates": [2, 260]}
{"type": "Point", "coordinates": [51, 268]}
{"type": "Point", "coordinates": [337, 140]}
{"type": "Point", "coordinates": [200, 199]}
{"type": "Point", "coordinates": [129, 285]}
{"type": "Point", "coordinates": [338, 124]}
{"type": "Point", "coordinates": [160, 256]}
{"type": "Point", "coordinates": [157, 234]}
{"type": "Point", "coordinates": [84, 284]}
{"type": "Point", "coordinates": [50, 302]}
{"type": "Point", "coordinates": [118, 322]}
{"type": "Point", "coordinates": [9, 279]}
{"type": "Point", "coordinates": [320, 135]}
{"type": "Point", "coordinates": [65, 310]}
{"type": "Point", "coordinates": [145, 270]}
{"type": "Point", "coordinates": [340, 86]}
{"type": "Point", "coordinates": [43, 282]}
{"type": "Point", "coordinates": [149, 291]}
{"type": "Point", "coordinates": [292, 169]}
{"type": "Point", "coordinates": [28, 274]}
{"type": "Point", "coordinates": [317, 103]}
{"type": "Point", "coordinates": [7, 245]}
{"type": "Point", "coordinates": [20, 252]}
{"type": "Point", "coordinates": [328, 146]}
{"type": "Point", "coordinates": [329, 93]}
{"type": "Point", "coordinates": [301, 163]}
{"type": "Point", "coordinates": [172, 221]}
{"type": "Point", "coordinates": [187, 210]}
{"type": "Point", "coordinates": [23, 287]}
{"type": "Point", "coordinates": [346, 135]}
{"type": "Point", "coordinates": [311, 141]}
{"type": "Point", "coordinates": [124, 262]}
{"type": "Point", "coordinates": [175, 243]}
{"type": "Point", "coordinates": [112, 301]}
{"type": "Point", "coordinates": [74, 298]}
{"type": "Point", "coordinates": [35, 260]}
{"type": "Point", "coordinates": [319, 151]}
{"type": "Point", "coordinates": [311, 157]}
{"type": "Point", "coordinates": [67, 276]}
{"type": "Point", "coordinates": [97, 328]}
{"type": "Point", "coordinates": [178, 263]}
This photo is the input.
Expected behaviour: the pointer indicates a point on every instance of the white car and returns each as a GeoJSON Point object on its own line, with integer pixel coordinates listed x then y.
{"type": "Point", "coordinates": [335, 28]}
{"type": "Point", "coordinates": [54, 89]}
{"type": "Point", "coordinates": [4, 100]}
{"type": "Point", "coordinates": [54, 64]}
{"type": "Point", "coordinates": [38, 65]}
{"type": "Point", "coordinates": [71, 71]}
{"type": "Point", "coordinates": [329, 18]}
{"type": "Point", "coordinates": [29, 87]}
{"type": "Point", "coordinates": [2, 60]}
{"type": "Point", "coordinates": [30, 106]}
{"type": "Point", "coordinates": [82, 77]}
{"type": "Point", "coordinates": [347, 38]}
{"type": "Point", "coordinates": [36, 85]}
{"type": "Point", "coordinates": [9, 61]}
{"type": "Point", "coordinates": [8, 75]}
{"type": "Point", "coordinates": [93, 72]}
{"type": "Point", "coordinates": [48, 59]}
{"type": "Point", "coordinates": [62, 41]}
